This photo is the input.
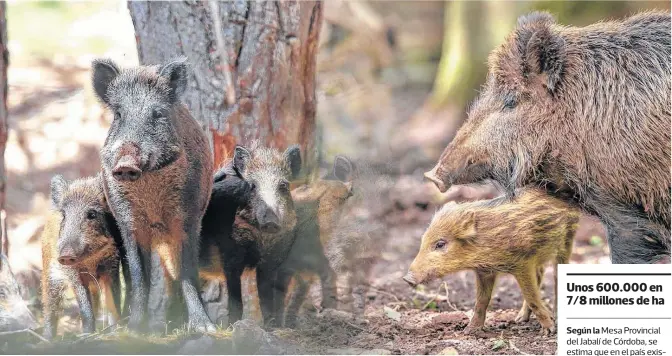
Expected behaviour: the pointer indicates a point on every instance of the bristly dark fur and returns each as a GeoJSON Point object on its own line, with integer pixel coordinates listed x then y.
{"type": "Point", "coordinates": [159, 210]}
{"type": "Point", "coordinates": [248, 189]}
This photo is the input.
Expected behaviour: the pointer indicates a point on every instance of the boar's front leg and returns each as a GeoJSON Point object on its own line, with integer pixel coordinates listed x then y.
{"type": "Point", "coordinates": [272, 284]}
{"type": "Point", "coordinates": [138, 301]}
{"type": "Point", "coordinates": [198, 318]}
{"type": "Point", "coordinates": [633, 238]}
{"type": "Point", "coordinates": [485, 281]}
{"type": "Point", "coordinates": [52, 292]}
{"type": "Point", "coordinates": [123, 259]}
{"type": "Point", "coordinates": [83, 296]}
{"type": "Point", "coordinates": [328, 285]}
{"type": "Point", "coordinates": [234, 290]}
{"type": "Point", "coordinates": [296, 300]}
{"type": "Point", "coordinates": [158, 299]}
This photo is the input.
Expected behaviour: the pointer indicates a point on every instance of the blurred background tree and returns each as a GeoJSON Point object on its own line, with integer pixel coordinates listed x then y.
{"type": "Point", "coordinates": [4, 62]}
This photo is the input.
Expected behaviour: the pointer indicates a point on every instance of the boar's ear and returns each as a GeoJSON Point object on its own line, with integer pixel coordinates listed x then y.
{"type": "Point", "coordinates": [58, 187]}
{"type": "Point", "coordinates": [240, 158]}
{"type": "Point", "coordinates": [104, 72]}
{"type": "Point", "coordinates": [542, 49]}
{"type": "Point", "coordinates": [293, 158]}
{"type": "Point", "coordinates": [468, 226]}
{"type": "Point", "coordinates": [176, 73]}
{"type": "Point", "coordinates": [343, 168]}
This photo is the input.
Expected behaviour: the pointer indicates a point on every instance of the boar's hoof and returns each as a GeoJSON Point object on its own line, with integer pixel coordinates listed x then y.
{"type": "Point", "coordinates": [126, 173]}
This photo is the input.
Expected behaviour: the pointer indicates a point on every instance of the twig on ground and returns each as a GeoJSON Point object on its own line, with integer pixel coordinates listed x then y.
{"type": "Point", "coordinates": [30, 331]}
{"type": "Point", "coordinates": [445, 285]}
{"type": "Point", "coordinates": [429, 302]}
{"type": "Point", "coordinates": [101, 331]}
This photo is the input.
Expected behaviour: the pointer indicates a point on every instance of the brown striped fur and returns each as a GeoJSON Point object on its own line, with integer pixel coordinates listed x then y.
{"type": "Point", "coordinates": [496, 236]}
{"type": "Point", "coordinates": [319, 205]}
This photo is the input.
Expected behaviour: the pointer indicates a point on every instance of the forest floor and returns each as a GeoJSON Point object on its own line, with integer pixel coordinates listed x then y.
{"type": "Point", "coordinates": [398, 319]}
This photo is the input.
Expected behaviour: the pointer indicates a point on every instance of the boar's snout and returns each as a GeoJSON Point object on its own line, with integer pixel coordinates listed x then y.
{"type": "Point", "coordinates": [269, 221]}
{"type": "Point", "coordinates": [410, 279]}
{"type": "Point", "coordinates": [128, 173]}
{"type": "Point", "coordinates": [129, 163]}
{"type": "Point", "coordinates": [67, 256]}
{"type": "Point", "coordinates": [432, 176]}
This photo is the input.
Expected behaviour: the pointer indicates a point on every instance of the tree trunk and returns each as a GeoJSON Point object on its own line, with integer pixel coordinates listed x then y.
{"type": "Point", "coordinates": [258, 83]}
{"type": "Point", "coordinates": [4, 126]}
{"type": "Point", "coordinates": [253, 71]}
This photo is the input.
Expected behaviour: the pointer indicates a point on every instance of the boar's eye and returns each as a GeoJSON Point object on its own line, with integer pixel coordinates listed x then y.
{"type": "Point", "coordinates": [117, 115]}
{"type": "Point", "coordinates": [283, 186]}
{"type": "Point", "coordinates": [510, 102]}
{"type": "Point", "coordinates": [439, 244]}
{"type": "Point", "coordinates": [156, 114]}
{"type": "Point", "coordinates": [91, 214]}
{"type": "Point", "coordinates": [252, 186]}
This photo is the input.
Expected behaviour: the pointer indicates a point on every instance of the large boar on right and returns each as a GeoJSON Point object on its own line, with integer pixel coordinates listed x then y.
{"type": "Point", "coordinates": [585, 114]}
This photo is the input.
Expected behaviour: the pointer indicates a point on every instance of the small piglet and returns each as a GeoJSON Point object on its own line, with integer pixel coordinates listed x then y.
{"type": "Point", "coordinates": [81, 248]}
{"type": "Point", "coordinates": [499, 236]}
{"type": "Point", "coordinates": [319, 205]}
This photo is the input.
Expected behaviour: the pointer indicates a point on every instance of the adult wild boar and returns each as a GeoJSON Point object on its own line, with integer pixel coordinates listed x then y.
{"type": "Point", "coordinates": [585, 114]}
{"type": "Point", "coordinates": [157, 170]}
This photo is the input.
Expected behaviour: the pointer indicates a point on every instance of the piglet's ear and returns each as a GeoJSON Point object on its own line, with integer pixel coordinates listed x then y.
{"type": "Point", "coordinates": [293, 158]}
{"type": "Point", "coordinates": [343, 168]}
{"type": "Point", "coordinates": [468, 225]}
{"type": "Point", "coordinates": [176, 73]}
{"type": "Point", "coordinates": [104, 72]}
{"type": "Point", "coordinates": [58, 187]}
{"type": "Point", "coordinates": [240, 158]}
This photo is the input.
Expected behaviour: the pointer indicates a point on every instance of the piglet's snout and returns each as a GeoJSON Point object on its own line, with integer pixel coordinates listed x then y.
{"type": "Point", "coordinates": [410, 279]}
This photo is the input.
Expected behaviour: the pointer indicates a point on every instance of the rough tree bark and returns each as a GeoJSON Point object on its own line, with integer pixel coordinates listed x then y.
{"type": "Point", "coordinates": [253, 70]}
{"type": "Point", "coordinates": [258, 84]}
{"type": "Point", "coordinates": [4, 127]}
